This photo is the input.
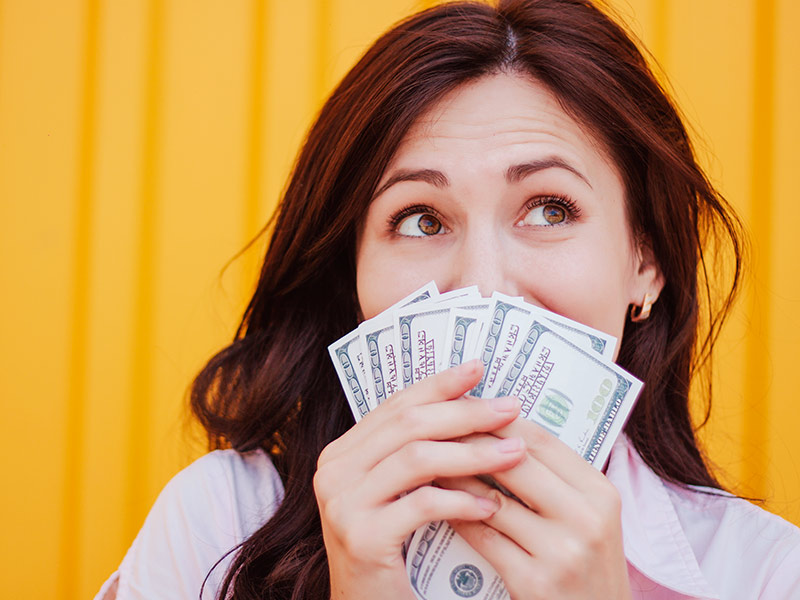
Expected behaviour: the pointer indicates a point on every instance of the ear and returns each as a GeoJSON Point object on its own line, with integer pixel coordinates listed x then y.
{"type": "Point", "coordinates": [648, 278]}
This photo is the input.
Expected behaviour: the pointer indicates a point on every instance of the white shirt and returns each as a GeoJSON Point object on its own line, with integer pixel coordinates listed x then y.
{"type": "Point", "coordinates": [679, 543]}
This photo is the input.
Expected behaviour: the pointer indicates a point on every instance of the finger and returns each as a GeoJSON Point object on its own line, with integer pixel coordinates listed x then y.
{"type": "Point", "coordinates": [438, 421]}
{"type": "Point", "coordinates": [520, 572]}
{"type": "Point", "coordinates": [448, 385]}
{"type": "Point", "coordinates": [429, 503]}
{"type": "Point", "coordinates": [517, 522]}
{"type": "Point", "coordinates": [554, 454]}
{"type": "Point", "coordinates": [421, 462]}
{"type": "Point", "coordinates": [536, 485]}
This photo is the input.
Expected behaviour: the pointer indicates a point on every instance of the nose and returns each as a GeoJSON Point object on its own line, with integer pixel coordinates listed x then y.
{"type": "Point", "coordinates": [482, 258]}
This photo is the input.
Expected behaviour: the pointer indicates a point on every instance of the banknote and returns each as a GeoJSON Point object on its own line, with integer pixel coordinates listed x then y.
{"type": "Point", "coordinates": [347, 355]}
{"type": "Point", "coordinates": [383, 376]}
{"type": "Point", "coordinates": [588, 338]}
{"type": "Point", "coordinates": [505, 333]}
{"type": "Point", "coordinates": [419, 334]}
{"type": "Point", "coordinates": [575, 395]}
{"type": "Point", "coordinates": [464, 326]}
{"type": "Point", "coordinates": [420, 330]}
{"type": "Point", "coordinates": [378, 343]}
{"type": "Point", "coordinates": [441, 565]}
{"type": "Point", "coordinates": [561, 370]}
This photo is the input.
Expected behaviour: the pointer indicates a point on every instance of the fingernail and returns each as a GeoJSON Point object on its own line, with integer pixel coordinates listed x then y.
{"type": "Point", "coordinates": [504, 404]}
{"type": "Point", "coordinates": [488, 506]}
{"type": "Point", "coordinates": [468, 366]}
{"type": "Point", "coordinates": [509, 445]}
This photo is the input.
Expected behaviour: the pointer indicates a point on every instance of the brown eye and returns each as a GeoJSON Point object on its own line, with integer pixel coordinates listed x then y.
{"type": "Point", "coordinates": [420, 225]}
{"type": "Point", "coordinates": [554, 214]}
{"type": "Point", "coordinates": [548, 214]}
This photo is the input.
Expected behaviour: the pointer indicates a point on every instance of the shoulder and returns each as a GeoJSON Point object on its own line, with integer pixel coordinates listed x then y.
{"type": "Point", "coordinates": [727, 531]}
{"type": "Point", "coordinates": [242, 489]}
{"type": "Point", "coordinates": [702, 542]}
{"type": "Point", "coordinates": [199, 518]}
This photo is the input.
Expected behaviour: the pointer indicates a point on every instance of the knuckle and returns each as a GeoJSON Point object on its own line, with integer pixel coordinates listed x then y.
{"type": "Point", "coordinates": [332, 511]}
{"type": "Point", "coordinates": [321, 482]}
{"type": "Point", "coordinates": [355, 542]}
{"type": "Point", "coordinates": [410, 419]}
{"type": "Point", "coordinates": [539, 437]}
{"type": "Point", "coordinates": [425, 500]}
{"type": "Point", "coordinates": [570, 560]}
{"type": "Point", "coordinates": [488, 536]}
{"type": "Point", "coordinates": [595, 533]}
{"type": "Point", "coordinates": [326, 455]}
{"type": "Point", "coordinates": [415, 453]}
{"type": "Point", "coordinates": [610, 498]}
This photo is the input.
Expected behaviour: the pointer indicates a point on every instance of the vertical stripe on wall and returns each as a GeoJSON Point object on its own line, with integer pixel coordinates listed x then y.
{"type": "Point", "coordinates": [73, 454]}
{"type": "Point", "coordinates": [758, 365]}
{"type": "Point", "coordinates": [140, 435]}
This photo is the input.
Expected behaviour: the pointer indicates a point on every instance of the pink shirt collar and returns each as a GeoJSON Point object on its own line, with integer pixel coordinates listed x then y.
{"type": "Point", "coordinates": [654, 540]}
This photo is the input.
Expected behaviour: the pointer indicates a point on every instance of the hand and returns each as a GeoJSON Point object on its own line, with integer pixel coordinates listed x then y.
{"type": "Point", "coordinates": [566, 540]}
{"type": "Point", "coordinates": [403, 445]}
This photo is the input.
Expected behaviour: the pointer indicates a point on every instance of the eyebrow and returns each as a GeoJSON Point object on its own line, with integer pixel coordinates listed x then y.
{"type": "Point", "coordinates": [431, 176]}
{"type": "Point", "coordinates": [514, 174]}
{"type": "Point", "coordinates": [517, 173]}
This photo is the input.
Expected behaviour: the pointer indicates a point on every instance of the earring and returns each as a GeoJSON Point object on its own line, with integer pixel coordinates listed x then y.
{"type": "Point", "coordinates": [639, 314]}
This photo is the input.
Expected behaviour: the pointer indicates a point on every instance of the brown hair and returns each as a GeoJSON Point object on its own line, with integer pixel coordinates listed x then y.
{"type": "Point", "coordinates": [275, 388]}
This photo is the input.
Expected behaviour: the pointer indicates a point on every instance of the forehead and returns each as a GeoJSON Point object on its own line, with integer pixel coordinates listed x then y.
{"type": "Point", "coordinates": [498, 118]}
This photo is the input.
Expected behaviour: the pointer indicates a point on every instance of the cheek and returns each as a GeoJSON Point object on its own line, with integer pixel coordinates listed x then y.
{"type": "Point", "coordinates": [584, 284]}
{"type": "Point", "coordinates": [385, 274]}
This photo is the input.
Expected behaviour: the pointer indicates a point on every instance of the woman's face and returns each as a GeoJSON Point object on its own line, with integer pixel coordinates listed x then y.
{"type": "Point", "coordinates": [497, 186]}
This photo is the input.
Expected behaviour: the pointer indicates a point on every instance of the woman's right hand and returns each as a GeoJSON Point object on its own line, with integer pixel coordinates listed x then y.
{"type": "Point", "coordinates": [402, 446]}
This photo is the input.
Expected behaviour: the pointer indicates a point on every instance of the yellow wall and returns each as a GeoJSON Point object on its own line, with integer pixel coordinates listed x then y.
{"type": "Point", "coordinates": [142, 142]}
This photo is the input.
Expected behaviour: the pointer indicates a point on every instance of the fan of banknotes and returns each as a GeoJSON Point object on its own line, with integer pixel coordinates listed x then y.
{"type": "Point", "coordinates": [561, 371]}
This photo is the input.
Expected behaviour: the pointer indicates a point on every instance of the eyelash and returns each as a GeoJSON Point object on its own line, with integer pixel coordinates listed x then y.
{"type": "Point", "coordinates": [569, 205]}
{"type": "Point", "coordinates": [411, 209]}
{"type": "Point", "coordinates": [565, 202]}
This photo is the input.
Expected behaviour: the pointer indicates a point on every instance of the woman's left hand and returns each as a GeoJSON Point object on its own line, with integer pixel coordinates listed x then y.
{"type": "Point", "coordinates": [567, 541]}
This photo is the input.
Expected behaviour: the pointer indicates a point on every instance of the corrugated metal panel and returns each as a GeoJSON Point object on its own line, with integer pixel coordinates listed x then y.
{"type": "Point", "coordinates": [142, 144]}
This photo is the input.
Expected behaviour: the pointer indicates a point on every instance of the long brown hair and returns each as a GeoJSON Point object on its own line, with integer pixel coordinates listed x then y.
{"type": "Point", "coordinates": [274, 387]}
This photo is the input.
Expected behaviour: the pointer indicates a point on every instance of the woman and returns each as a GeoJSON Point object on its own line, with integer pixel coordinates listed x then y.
{"type": "Point", "coordinates": [525, 149]}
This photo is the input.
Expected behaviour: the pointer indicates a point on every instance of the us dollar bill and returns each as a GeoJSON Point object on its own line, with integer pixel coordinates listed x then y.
{"type": "Point", "coordinates": [502, 338]}
{"type": "Point", "coordinates": [577, 396]}
{"type": "Point", "coordinates": [441, 564]}
{"type": "Point", "coordinates": [347, 354]}
{"type": "Point", "coordinates": [381, 351]}
{"type": "Point", "coordinates": [420, 331]}
{"type": "Point", "coordinates": [464, 327]}
{"type": "Point", "coordinates": [377, 336]}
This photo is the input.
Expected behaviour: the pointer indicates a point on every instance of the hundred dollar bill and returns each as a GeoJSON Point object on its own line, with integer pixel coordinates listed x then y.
{"type": "Point", "coordinates": [441, 564]}
{"type": "Point", "coordinates": [350, 354]}
{"type": "Point", "coordinates": [464, 326]}
{"type": "Point", "coordinates": [505, 333]}
{"type": "Point", "coordinates": [420, 331]}
{"type": "Point", "coordinates": [577, 396]}
{"type": "Point", "coordinates": [378, 341]}
{"type": "Point", "coordinates": [429, 291]}
{"type": "Point", "coordinates": [347, 355]}
{"type": "Point", "coordinates": [580, 398]}
{"type": "Point", "coordinates": [377, 337]}
{"type": "Point", "coordinates": [588, 338]}
{"type": "Point", "coordinates": [498, 340]}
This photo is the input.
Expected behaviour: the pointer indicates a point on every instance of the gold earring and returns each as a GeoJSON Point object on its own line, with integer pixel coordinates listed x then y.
{"type": "Point", "coordinates": [639, 314]}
